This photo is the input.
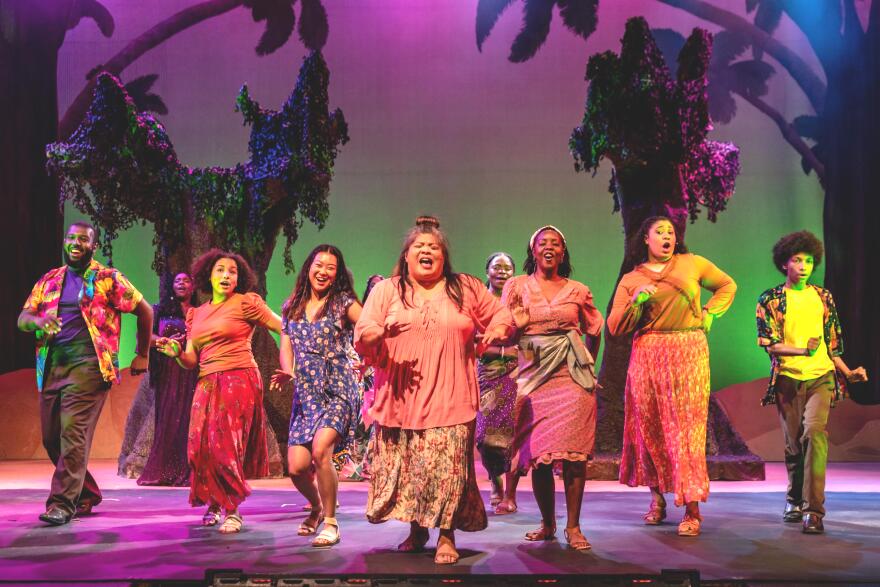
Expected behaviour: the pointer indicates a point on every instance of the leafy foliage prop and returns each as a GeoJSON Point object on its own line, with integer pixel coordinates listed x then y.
{"type": "Point", "coordinates": [638, 116]}
{"type": "Point", "coordinates": [120, 168]}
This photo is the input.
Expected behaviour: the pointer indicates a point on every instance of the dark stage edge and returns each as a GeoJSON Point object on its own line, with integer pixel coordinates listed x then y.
{"type": "Point", "coordinates": [152, 534]}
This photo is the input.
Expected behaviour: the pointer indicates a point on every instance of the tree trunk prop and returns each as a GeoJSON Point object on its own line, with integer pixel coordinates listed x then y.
{"type": "Point", "coordinates": [119, 167]}
{"type": "Point", "coordinates": [653, 130]}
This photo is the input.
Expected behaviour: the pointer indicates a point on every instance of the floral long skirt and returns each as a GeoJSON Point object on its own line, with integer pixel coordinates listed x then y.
{"type": "Point", "coordinates": [227, 438]}
{"type": "Point", "coordinates": [495, 418]}
{"type": "Point", "coordinates": [427, 477]}
{"type": "Point", "coordinates": [665, 413]}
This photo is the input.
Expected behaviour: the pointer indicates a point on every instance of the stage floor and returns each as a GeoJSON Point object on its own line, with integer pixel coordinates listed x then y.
{"type": "Point", "coordinates": [151, 533]}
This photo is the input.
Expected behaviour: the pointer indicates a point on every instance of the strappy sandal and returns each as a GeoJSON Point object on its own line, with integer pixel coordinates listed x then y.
{"type": "Point", "coordinates": [505, 508]}
{"type": "Point", "coordinates": [310, 525]}
{"type": "Point", "coordinates": [232, 524]}
{"type": "Point", "coordinates": [656, 514]}
{"type": "Point", "coordinates": [542, 533]}
{"type": "Point", "coordinates": [327, 537]}
{"type": "Point", "coordinates": [445, 558]}
{"type": "Point", "coordinates": [573, 541]}
{"type": "Point", "coordinates": [690, 525]}
{"type": "Point", "coordinates": [211, 517]}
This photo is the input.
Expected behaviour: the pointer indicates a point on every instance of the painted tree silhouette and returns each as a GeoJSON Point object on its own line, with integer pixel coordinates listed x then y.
{"type": "Point", "coordinates": [120, 168]}
{"type": "Point", "coordinates": [653, 129]}
{"type": "Point", "coordinates": [31, 34]}
{"type": "Point", "coordinates": [837, 140]}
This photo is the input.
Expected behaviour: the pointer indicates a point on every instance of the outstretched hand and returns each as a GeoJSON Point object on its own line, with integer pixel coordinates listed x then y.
{"type": "Point", "coordinates": [170, 347]}
{"type": "Point", "coordinates": [280, 378]}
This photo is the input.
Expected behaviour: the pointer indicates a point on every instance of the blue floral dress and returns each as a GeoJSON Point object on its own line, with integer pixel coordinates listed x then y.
{"type": "Point", "coordinates": [326, 391]}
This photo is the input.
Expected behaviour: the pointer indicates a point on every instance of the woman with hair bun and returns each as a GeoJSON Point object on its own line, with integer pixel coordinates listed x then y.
{"type": "Point", "coordinates": [418, 330]}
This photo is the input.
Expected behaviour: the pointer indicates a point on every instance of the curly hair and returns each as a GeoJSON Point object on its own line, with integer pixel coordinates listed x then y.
{"type": "Point", "coordinates": [429, 225]}
{"type": "Point", "coordinates": [295, 306]}
{"type": "Point", "coordinates": [802, 241]}
{"type": "Point", "coordinates": [531, 264]}
{"type": "Point", "coordinates": [202, 267]}
{"type": "Point", "coordinates": [637, 249]}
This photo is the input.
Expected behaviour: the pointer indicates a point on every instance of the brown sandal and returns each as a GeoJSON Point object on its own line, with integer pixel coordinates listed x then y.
{"type": "Point", "coordinates": [690, 525]}
{"type": "Point", "coordinates": [656, 514]}
{"type": "Point", "coordinates": [445, 558]}
{"type": "Point", "coordinates": [542, 533]}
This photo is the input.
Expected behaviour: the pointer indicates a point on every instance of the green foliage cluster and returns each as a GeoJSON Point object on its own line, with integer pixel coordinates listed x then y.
{"type": "Point", "coordinates": [120, 167]}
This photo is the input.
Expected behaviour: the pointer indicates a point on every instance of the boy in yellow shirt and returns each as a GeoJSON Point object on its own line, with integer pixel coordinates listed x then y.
{"type": "Point", "coordinates": [799, 328]}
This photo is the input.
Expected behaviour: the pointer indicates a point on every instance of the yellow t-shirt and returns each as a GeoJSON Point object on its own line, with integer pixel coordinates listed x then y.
{"type": "Point", "coordinates": [803, 321]}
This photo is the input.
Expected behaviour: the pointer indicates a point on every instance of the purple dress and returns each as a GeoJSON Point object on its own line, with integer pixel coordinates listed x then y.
{"type": "Point", "coordinates": [174, 387]}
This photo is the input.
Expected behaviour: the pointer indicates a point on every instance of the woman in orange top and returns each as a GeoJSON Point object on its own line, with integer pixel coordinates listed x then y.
{"type": "Point", "coordinates": [667, 385]}
{"type": "Point", "coordinates": [227, 436]}
{"type": "Point", "coordinates": [417, 329]}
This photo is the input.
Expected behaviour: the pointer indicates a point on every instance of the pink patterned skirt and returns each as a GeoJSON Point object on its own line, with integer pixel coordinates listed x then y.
{"type": "Point", "coordinates": [427, 477]}
{"type": "Point", "coordinates": [227, 437]}
{"type": "Point", "coordinates": [665, 412]}
{"type": "Point", "coordinates": [556, 422]}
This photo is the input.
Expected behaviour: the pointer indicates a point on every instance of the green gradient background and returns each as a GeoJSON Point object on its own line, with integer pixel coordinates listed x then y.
{"type": "Point", "coordinates": [438, 127]}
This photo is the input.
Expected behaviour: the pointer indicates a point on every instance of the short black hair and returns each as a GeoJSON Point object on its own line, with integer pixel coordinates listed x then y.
{"type": "Point", "coordinates": [202, 267]}
{"type": "Point", "coordinates": [802, 241]}
{"type": "Point", "coordinates": [89, 225]}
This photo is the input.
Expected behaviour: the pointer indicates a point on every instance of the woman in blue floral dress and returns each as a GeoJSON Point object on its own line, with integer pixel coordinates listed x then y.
{"type": "Point", "coordinates": [316, 351]}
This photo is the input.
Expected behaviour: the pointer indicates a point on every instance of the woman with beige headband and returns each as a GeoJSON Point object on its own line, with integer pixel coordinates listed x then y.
{"type": "Point", "coordinates": [555, 413]}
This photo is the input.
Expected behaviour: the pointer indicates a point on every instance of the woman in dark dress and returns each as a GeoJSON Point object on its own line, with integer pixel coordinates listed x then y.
{"type": "Point", "coordinates": [174, 387]}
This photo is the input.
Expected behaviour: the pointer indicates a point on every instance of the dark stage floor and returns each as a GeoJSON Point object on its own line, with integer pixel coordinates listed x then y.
{"type": "Point", "coordinates": [151, 533]}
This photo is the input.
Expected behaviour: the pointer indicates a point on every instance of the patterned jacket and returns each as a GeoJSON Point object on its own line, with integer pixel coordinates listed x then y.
{"type": "Point", "coordinates": [105, 294]}
{"type": "Point", "coordinates": [770, 315]}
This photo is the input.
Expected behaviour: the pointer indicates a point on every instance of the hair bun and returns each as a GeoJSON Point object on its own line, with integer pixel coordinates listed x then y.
{"type": "Point", "coordinates": [428, 221]}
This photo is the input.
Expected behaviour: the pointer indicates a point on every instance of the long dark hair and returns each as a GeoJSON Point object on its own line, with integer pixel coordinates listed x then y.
{"type": "Point", "coordinates": [295, 306]}
{"type": "Point", "coordinates": [202, 267]}
{"type": "Point", "coordinates": [637, 248]}
{"type": "Point", "coordinates": [429, 225]}
{"type": "Point", "coordinates": [531, 264]}
{"type": "Point", "coordinates": [170, 306]}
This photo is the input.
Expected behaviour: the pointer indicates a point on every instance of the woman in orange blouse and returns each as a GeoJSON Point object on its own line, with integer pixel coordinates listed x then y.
{"type": "Point", "coordinates": [227, 436]}
{"type": "Point", "coordinates": [667, 385]}
{"type": "Point", "coordinates": [555, 413]}
{"type": "Point", "coordinates": [417, 329]}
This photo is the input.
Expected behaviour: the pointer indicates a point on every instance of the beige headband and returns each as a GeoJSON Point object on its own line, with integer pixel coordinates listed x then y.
{"type": "Point", "coordinates": [542, 229]}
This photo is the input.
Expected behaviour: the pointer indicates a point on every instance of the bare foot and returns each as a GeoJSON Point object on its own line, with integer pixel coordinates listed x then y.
{"type": "Point", "coordinates": [446, 553]}
{"type": "Point", "coordinates": [415, 542]}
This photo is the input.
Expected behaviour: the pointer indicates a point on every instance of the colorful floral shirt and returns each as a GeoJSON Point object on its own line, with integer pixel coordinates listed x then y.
{"type": "Point", "coordinates": [770, 315]}
{"type": "Point", "coordinates": [105, 294]}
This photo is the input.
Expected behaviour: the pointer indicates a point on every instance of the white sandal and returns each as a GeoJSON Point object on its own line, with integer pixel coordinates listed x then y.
{"type": "Point", "coordinates": [329, 534]}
